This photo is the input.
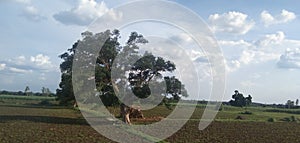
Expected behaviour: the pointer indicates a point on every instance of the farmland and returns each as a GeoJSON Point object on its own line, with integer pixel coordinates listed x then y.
{"type": "Point", "coordinates": [24, 120]}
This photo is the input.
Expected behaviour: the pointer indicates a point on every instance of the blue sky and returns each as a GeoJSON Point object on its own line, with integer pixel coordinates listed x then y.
{"type": "Point", "coordinates": [260, 41]}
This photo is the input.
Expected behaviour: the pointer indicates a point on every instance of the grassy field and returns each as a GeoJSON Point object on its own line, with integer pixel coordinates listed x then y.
{"type": "Point", "coordinates": [18, 97]}
{"type": "Point", "coordinates": [23, 120]}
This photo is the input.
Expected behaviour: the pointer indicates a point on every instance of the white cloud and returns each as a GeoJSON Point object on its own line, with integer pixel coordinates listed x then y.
{"type": "Point", "coordinates": [264, 56]}
{"type": "Point", "coordinates": [284, 17]}
{"type": "Point", "coordinates": [271, 39]}
{"type": "Point", "coordinates": [2, 66]}
{"type": "Point", "coordinates": [231, 22]}
{"type": "Point", "coordinates": [290, 59]}
{"type": "Point", "coordinates": [232, 65]}
{"type": "Point", "coordinates": [20, 60]}
{"type": "Point", "coordinates": [247, 56]}
{"type": "Point", "coordinates": [40, 60]}
{"type": "Point", "coordinates": [268, 48]}
{"type": "Point", "coordinates": [234, 43]}
{"type": "Point", "coordinates": [84, 13]}
{"type": "Point", "coordinates": [21, 64]}
{"type": "Point", "coordinates": [17, 70]}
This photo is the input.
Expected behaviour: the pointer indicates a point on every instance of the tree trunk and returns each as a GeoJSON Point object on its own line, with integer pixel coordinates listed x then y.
{"type": "Point", "coordinates": [125, 112]}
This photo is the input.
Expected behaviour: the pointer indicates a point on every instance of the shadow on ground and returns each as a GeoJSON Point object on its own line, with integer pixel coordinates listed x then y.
{"type": "Point", "coordinates": [43, 119]}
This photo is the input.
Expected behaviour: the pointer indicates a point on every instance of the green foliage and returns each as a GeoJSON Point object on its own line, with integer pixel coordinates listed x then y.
{"type": "Point", "coordinates": [135, 69]}
{"type": "Point", "coordinates": [271, 120]}
{"type": "Point", "coordinates": [240, 100]}
{"type": "Point", "coordinates": [290, 104]}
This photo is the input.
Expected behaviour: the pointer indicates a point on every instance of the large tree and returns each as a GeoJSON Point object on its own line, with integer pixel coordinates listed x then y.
{"type": "Point", "coordinates": [27, 91]}
{"type": "Point", "coordinates": [136, 71]}
{"type": "Point", "coordinates": [239, 100]}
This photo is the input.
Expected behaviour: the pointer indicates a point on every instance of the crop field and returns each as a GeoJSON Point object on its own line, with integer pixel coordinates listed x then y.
{"type": "Point", "coordinates": [30, 121]}
{"type": "Point", "coordinates": [17, 97]}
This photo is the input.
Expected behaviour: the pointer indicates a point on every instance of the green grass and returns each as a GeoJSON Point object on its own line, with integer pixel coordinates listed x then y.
{"type": "Point", "coordinates": [229, 113]}
{"type": "Point", "coordinates": [18, 97]}
{"type": "Point", "coordinates": [259, 114]}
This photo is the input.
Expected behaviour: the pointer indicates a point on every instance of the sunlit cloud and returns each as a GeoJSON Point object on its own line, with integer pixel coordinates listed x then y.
{"type": "Point", "coordinates": [284, 17]}
{"type": "Point", "coordinates": [84, 13]}
{"type": "Point", "coordinates": [232, 22]}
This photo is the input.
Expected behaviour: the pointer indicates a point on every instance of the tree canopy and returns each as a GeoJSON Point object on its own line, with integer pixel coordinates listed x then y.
{"type": "Point", "coordinates": [133, 68]}
{"type": "Point", "coordinates": [239, 100]}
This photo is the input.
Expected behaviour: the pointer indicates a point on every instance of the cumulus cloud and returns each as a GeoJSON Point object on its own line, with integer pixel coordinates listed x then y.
{"type": "Point", "coordinates": [40, 60]}
{"type": "Point", "coordinates": [247, 56]}
{"type": "Point", "coordinates": [231, 22]}
{"type": "Point", "coordinates": [284, 17]}
{"type": "Point", "coordinates": [84, 13]}
{"type": "Point", "coordinates": [23, 65]}
{"type": "Point", "coordinates": [2, 66]}
{"type": "Point", "coordinates": [271, 39]}
{"type": "Point", "coordinates": [268, 48]}
{"type": "Point", "coordinates": [232, 65]}
{"type": "Point", "coordinates": [20, 60]}
{"type": "Point", "coordinates": [290, 59]}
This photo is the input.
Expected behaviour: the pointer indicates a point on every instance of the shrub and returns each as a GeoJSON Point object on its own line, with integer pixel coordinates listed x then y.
{"type": "Point", "coordinates": [271, 120]}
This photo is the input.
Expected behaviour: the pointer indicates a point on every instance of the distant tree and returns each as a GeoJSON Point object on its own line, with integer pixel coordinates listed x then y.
{"type": "Point", "coordinates": [297, 102]}
{"type": "Point", "coordinates": [290, 104]}
{"type": "Point", "coordinates": [239, 100]}
{"type": "Point", "coordinates": [4, 92]}
{"type": "Point", "coordinates": [27, 90]}
{"type": "Point", "coordinates": [46, 91]}
{"type": "Point", "coordinates": [248, 100]}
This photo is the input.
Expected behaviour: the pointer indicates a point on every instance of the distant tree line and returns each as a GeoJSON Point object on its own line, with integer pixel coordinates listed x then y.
{"type": "Point", "coordinates": [44, 92]}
